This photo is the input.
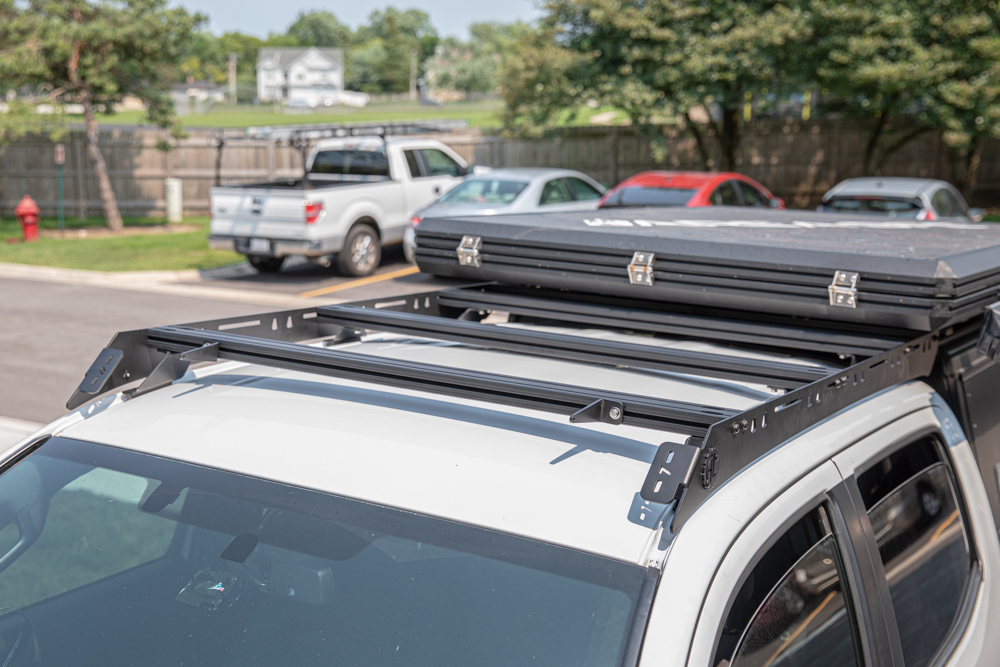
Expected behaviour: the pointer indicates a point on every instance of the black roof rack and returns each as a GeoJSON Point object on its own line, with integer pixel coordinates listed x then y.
{"type": "Point", "coordinates": [722, 442]}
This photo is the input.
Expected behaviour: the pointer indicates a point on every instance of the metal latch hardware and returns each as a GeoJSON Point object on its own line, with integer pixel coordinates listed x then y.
{"type": "Point", "coordinates": [844, 289]}
{"type": "Point", "coordinates": [468, 251]}
{"type": "Point", "coordinates": [640, 269]}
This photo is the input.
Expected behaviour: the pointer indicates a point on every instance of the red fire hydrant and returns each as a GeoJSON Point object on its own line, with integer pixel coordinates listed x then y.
{"type": "Point", "coordinates": [27, 212]}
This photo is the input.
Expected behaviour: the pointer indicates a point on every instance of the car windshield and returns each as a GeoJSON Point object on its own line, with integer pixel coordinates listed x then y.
{"type": "Point", "coordinates": [111, 557]}
{"type": "Point", "coordinates": [351, 162]}
{"type": "Point", "coordinates": [484, 191]}
{"type": "Point", "coordinates": [637, 196]}
{"type": "Point", "coordinates": [894, 208]}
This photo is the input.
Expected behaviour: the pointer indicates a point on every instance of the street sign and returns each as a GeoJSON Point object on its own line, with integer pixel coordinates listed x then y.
{"type": "Point", "coordinates": [60, 154]}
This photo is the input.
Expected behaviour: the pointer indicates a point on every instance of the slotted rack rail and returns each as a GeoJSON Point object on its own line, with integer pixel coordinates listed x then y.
{"type": "Point", "coordinates": [721, 442]}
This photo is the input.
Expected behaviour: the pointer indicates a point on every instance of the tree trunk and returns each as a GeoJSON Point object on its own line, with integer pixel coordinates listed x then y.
{"type": "Point", "coordinates": [972, 167]}
{"type": "Point", "coordinates": [699, 140]}
{"type": "Point", "coordinates": [729, 140]}
{"type": "Point", "coordinates": [872, 145]}
{"type": "Point", "coordinates": [108, 201]}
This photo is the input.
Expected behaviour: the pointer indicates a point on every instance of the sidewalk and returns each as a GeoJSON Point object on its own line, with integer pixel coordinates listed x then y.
{"type": "Point", "coordinates": [13, 431]}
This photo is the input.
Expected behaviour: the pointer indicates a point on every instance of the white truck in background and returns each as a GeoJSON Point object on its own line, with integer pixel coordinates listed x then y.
{"type": "Point", "coordinates": [357, 195]}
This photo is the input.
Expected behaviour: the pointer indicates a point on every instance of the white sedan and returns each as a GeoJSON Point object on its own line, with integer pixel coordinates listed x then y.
{"type": "Point", "coordinates": [523, 190]}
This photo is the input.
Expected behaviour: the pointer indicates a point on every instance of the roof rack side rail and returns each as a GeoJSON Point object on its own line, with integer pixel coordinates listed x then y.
{"type": "Point", "coordinates": [734, 443]}
{"type": "Point", "coordinates": [576, 348]}
{"type": "Point", "coordinates": [135, 355]}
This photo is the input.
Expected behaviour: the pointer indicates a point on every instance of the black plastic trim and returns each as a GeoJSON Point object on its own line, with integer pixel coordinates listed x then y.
{"type": "Point", "coordinates": [640, 619]}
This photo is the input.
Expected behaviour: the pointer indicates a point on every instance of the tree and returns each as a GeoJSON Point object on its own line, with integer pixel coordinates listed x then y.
{"type": "Point", "coordinates": [472, 66]}
{"type": "Point", "coordinates": [380, 59]}
{"type": "Point", "coordinates": [320, 28]}
{"type": "Point", "coordinates": [675, 56]}
{"type": "Point", "coordinates": [93, 53]}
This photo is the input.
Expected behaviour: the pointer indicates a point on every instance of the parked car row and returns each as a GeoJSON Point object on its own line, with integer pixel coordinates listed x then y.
{"type": "Point", "coordinates": [358, 195]}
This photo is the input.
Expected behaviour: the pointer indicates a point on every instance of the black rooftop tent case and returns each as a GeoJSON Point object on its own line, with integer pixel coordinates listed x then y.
{"type": "Point", "coordinates": [910, 274]}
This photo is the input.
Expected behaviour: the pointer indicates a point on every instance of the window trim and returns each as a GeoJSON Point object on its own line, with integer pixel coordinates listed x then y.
{"type": "Point", "coordinates": [736, 188]}
{"type": "Point", "coordinates": [966, 606]}
{"type": "Point", "coordinates": [843, 537]}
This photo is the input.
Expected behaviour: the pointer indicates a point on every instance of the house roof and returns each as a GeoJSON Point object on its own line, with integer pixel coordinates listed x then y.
{"type": "Point", "coordinates": [286, 56]}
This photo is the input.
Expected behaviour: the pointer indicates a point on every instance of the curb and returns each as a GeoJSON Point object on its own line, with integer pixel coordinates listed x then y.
{"type": "Point", "coordinates": [176, 283]}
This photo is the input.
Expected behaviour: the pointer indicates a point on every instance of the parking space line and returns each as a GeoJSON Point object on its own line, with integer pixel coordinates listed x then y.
{"type": "Point", "coordinates": [410, 270]}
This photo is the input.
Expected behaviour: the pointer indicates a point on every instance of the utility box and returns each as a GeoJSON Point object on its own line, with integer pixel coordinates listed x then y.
{"type": "Point", "coordinates": [175, 200]}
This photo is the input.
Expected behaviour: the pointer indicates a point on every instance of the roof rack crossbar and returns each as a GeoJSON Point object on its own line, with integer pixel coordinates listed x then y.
{"type": "Point", "coordinates": [577, 348]}
{"type": "Point", "coordinates": [700, 467]}
{"type": "Point", "coordinates": [782, 336]}
{"type": "Point", "coordinates": [641, 411]}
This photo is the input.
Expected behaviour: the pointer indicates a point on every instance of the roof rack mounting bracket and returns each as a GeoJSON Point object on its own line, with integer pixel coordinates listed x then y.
{"type": "Point", "coordinates": [640, 269]}
{"type": "Point", "coordinates": [468, 251]}
{"type": "Point", "coordinates": [601, 410]}
{"type": "Point", "coordinates": [989, 337]}
{"type": "Point", "coordinates": [173, 366]}
{"type": "Point", "coordinates": [844, 289]}
{"type": "Point", "coordinates": [673, 468]}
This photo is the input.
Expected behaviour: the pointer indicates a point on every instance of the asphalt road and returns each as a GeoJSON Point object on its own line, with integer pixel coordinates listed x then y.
{"type": "Point", "coordinates": [50, 332]}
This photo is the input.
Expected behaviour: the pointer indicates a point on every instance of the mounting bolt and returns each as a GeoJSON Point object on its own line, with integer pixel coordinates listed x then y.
{"type": "Point", "coordinates": [736, 428]}
{"type": "Point", "coordinates": [745, 424]}
{"type": "Point", "coordinates": [615, 413]}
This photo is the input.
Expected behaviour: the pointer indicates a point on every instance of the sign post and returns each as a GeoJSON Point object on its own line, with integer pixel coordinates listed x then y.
{"type": "Point", "coordinates": [60, 161]}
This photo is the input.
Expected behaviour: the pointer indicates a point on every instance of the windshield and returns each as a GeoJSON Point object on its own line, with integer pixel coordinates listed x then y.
{"type": "Point", "coordinates": [484, 191]}
{"type": "Point", "coordinates": [636, 196]}
{"type": "Point", "coordinates": [351, 162]}
{"type": "Point", "coordinates": [894, 208]}
{"type": "Point", "coordinates": [111, 557]}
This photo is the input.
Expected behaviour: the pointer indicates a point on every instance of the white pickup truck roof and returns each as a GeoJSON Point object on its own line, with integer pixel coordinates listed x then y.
{"type": "Point", "coordinates": [519, 471]}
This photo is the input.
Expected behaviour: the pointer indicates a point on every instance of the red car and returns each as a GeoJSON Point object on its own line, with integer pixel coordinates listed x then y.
{"type": "Point", "coordinates": [689, 188]}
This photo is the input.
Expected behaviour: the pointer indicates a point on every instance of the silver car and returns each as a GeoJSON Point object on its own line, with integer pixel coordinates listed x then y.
{"type": "Point", "coordinates": [915, 198]}
{"type": "Point", "coordinates": [523, 190]}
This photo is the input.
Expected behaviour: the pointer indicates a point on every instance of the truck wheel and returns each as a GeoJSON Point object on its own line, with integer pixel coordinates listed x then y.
{"type": "Point", "coordinates": [361, 254]}
{"type": "Point", "coordinates": [265, 264]}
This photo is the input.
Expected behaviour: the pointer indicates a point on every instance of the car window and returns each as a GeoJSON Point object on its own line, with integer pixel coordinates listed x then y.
{"type": "Point", "coordinates": [725, 195]}
{"type": "Point", "coordinates": [484, 191]}
{"type": "Point", "coordinates": [894, 208]}
{"type": "Point", "coordinates": [793, 609]}
{"type": "Point", "coordinates": [914, 512]}
{"type": "Point", "coordinates": [352, 162]}
{"type": "Point", "coordinates": [639, 196]}
{"type": "Point", "coordinates": [412, 163]}
{"type": "Point", "coordinates": [582, 190]}
{"type": "Point", "coordinates": [93, 529]}
{"type": "Point", "coordinates": [752, 196]}
{"type": "Point", "coordinates": [555, 192]}
{"type": "Point", "coordinates": [440, 164]}
{"type": "Point", "coordinates": [262, 573]}
{"type": "Point", "coordinates": [946, 204]}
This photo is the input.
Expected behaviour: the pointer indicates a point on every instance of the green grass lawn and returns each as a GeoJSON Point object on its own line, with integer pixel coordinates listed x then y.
{"type": "Point", "coordinates": [992, 218]}
{"type": "Point", "coordinates": [154, 252]}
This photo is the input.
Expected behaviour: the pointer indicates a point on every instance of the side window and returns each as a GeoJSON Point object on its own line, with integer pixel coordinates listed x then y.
{"type": "Point", "coordinates": [793, 609]}
{"type": "Point", "coordinates": [555, 192]}
{"type": "Point", "coordinates": [752, 196]}
{"type": "Point", "coordinates": [582, 191]}
{"type": "Point", "coordinates": [93, 529]}
{"type": "Point", "coordinates": [440, 164]}
{"type": "Point", "coordinates": [922, 540]}
{"type": "Point", "coordinates": [725, 195]}
{"type": "Point", "coordinates": [946, 204]}
{"type": "Point", "coordinates": [412, 163]}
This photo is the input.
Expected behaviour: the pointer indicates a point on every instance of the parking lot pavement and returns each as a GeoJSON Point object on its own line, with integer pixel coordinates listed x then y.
{"type": "Point", "coordinates": [13, 431]}
{"type": "Point", "coordinates": [51, 331]}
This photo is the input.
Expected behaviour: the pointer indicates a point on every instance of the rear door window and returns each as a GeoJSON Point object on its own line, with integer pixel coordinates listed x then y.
{"type": "Point", "coordinates": [582, 190]}
{"type": "Point", "coordinates": [725, 195]}
{"type": "Point", "coordinates": [440, 164]}
{"type": "Point", "coordinates": [914, 512]}
{"type": "Point", "coordinates": [555, 192]}
{"type": "Point", "coordinates": [946, 204]}
{"type": "Point", "coordinates": [412, 163]}
{"type": "Point", "coordinates": [752, 196]}
{"type": "Point", "coordinates": [794, 608]}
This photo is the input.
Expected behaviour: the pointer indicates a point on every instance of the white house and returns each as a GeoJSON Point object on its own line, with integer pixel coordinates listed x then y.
{"type": "Point", "coordinates": [300, 76]}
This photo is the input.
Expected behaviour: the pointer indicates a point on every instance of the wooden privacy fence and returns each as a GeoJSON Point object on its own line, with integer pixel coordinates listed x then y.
{"type": "Point", "coordinates": [798, 161]}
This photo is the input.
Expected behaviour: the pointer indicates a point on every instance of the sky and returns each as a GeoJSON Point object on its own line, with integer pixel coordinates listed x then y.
{"type": "Point", "coordinates": [260, 17]}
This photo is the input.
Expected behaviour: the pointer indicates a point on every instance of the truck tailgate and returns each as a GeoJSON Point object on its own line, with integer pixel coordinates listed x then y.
{"type": "Point", "coordinates": [263, 212]}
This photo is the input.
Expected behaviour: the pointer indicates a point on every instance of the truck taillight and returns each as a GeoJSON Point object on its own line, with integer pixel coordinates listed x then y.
{"type": "Point", "coordinates": [314, 209]}
{"type": "Point", "coordinates": [414, 221]}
